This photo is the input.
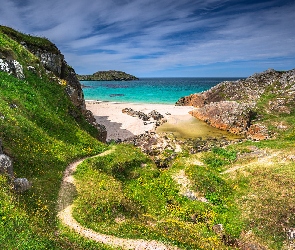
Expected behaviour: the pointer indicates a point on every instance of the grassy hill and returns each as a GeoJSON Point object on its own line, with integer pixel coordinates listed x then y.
{"type": "Point", "coordinates": [41, 137]}
{"type": "Point", "coordinates": [240, 197]}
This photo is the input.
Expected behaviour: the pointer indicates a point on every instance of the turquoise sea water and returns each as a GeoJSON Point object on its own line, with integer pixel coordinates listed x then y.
{"type": "Point", "coordinates": [148, 90]}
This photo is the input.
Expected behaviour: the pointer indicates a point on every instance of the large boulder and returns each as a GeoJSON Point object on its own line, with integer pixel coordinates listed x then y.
{"type": "Point", "coordinates": [12, 67]}
{"type": "Point", "coordinates": [21, 185]}
{"type": "Point", "coordinates": [6, 166]}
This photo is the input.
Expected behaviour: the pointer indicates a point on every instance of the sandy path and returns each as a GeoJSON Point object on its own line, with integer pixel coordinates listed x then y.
{"type": "Point", "coordinates": [122, 126]}
{"type": "Point", "coordinates": [65, 207]}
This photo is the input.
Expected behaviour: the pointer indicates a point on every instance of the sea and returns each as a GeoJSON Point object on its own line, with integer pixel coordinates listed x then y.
{"type": "Point", "coordinates": [149, 90]}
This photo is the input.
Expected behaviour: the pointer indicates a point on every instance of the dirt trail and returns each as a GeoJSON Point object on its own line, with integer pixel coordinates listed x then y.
{"type": "Point", "coordinates": [66, 196]}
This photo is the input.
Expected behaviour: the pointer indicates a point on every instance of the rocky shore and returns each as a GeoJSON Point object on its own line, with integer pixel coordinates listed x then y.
{"type": "Point", "coordinates": [242, 107]}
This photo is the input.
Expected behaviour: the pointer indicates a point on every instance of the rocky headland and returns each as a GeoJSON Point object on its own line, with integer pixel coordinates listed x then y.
{"type": "Point", "coordinates": [110, 75]}
{"type": "Point", "coordinates": [51, 62]}
{"type": "Point", "coordinates": [244, 107]}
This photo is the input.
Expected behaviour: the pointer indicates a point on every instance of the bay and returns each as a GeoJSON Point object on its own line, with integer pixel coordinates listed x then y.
{"type": "Point", "coordinates": [149, 90]}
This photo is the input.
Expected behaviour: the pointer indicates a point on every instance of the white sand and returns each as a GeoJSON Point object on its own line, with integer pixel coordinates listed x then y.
{"type": "Point", "coordinates": [122, 126]}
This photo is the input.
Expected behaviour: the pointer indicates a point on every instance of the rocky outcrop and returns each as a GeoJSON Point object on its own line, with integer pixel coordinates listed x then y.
{"type": "Point", "coordinates": [20, 185]}
{"type": "Point", "coordinates": [235, 106]}
{"type": "Point", "coordinates": [152, 116]}
{"type": "Point", "coordinates": [6, 166]}
{"type": "Point", "coordinates": [52, 61]}
{"type": "Point", "coordinates": [11, 67]}
{"type": "Point", "coordinates": [110, 75]}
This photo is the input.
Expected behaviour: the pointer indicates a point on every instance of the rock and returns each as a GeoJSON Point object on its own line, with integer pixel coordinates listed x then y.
{"type": "Point", "coordinates": [257, 132]}
{"type": "Point", "coordinates": [51, 60]}
{"type": "Point", "coordinates": [233, 106]}
{"type": "Point", "coordinates": [226, 115]}
{"type": "Point", "coordinates": [6, 166]}
{"type": "Point", "coordinates": [291, 157]}
{"type": "Point", "coordinates": [102, 136]}
{"type": "Point", "coordinates": [155, 115]}
{"type": "Point", "coordinates": [12, 67]}
{"type": "Point", "coordinates": [13, 106]}
{"type": "Point", "coordinates": [218, 228]}
{"type": "Point", "coordinates": [21, 185]}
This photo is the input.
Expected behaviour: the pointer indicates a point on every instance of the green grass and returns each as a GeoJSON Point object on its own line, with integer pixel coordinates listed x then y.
{"type": "Point", "coordinates": [124, 194]}
{"type": "Point", "coordinates": [41, 138]}
{"type": "Point", "coordinates": [31, 41]}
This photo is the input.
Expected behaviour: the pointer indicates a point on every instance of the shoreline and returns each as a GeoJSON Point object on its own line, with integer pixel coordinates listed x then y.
{"type": "Point", "coordinates": [123, 126]}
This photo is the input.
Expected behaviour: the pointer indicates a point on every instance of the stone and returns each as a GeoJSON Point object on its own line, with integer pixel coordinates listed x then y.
{"type": "Point", "coordinates": [155, 115]}
{"type": "Point", "coordinates": [218, 228]}
{"type": "Point", "coordinates": [13, 106]}
{"type": "Point", "coordinates": [291, 233]}
{"type": "Point", "coordinates": [6, 166]}
{"type": "Point", "coordinates": [291, 157]}
{"type": "Point", "coordinates": [21, 185]}
{"type": "Point", "coordinates": [12, 67]}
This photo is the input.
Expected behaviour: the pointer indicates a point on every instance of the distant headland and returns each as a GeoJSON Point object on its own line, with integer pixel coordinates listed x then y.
{"type": "Point", "coordinates": [110, 75]}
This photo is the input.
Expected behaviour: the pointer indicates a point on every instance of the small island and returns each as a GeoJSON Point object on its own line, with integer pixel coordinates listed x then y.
{"type": "Point", "coordinates": [110, 75]}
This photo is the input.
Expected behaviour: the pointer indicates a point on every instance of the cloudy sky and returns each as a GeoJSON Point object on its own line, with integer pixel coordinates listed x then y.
{"type": "Point", "coordinates": [163, 37]}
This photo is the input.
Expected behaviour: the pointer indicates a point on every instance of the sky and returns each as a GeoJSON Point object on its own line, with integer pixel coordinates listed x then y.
{"type": "Point", "coordinates": [163, 38]}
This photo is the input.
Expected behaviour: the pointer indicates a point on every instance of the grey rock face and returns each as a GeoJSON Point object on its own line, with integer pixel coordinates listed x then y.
{"type": "Point", "coordinates": [6, 166]}
{"type": "Point", "coordinates": [12, 67]}
{"type": "Point", "coordinates": [21, 185]}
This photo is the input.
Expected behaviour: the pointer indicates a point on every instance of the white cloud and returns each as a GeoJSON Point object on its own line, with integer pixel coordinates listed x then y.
{"type": "Point", "coordinates": [147, 35]}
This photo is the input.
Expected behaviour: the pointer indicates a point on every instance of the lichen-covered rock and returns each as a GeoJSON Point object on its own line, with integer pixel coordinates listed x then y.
{"type": "Point", "coordinates": [21, 185]}
{"type": "Point", "coordinates": [6, 166]}
{"type": "Point", "coordinates": [12, 67]}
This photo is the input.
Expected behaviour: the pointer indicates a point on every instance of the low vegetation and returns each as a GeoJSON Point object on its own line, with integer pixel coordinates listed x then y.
{"type": "Point", "coordinates": [243, 194]}
{"type": "Point", "coordinates": [252, 198]}
{"type": "Point", "coordinates": [41, 138]}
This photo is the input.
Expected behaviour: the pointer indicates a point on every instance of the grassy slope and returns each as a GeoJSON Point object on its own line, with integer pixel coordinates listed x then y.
{"type": "Point", "coordinates": [41, 138]}
{"type": "Point", "coordinates": [254, 200]}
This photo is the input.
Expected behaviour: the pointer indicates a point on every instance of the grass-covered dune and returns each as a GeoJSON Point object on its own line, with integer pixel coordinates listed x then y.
{"type": "Point", "coordinates": [240, 197]}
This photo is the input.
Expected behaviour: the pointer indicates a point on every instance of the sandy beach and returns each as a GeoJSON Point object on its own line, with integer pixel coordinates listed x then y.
{"type": "Point", "coordinates": [122, 126]}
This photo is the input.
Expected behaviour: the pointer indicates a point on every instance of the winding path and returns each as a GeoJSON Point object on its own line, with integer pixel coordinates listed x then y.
{"type": "Point", "coordinates": [65, 206]}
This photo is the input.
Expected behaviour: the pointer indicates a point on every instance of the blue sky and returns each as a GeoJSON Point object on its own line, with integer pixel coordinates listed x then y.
{"type": "Point", "coordinates": [154, 38]}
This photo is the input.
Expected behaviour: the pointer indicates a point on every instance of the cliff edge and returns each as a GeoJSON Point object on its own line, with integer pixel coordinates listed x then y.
{"type": "Point", "coordinates": [246, 106]}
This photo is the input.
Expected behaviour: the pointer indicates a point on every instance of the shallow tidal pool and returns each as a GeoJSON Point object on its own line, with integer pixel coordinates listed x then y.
{"type": "Point", "coordinates": [186, 127]}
